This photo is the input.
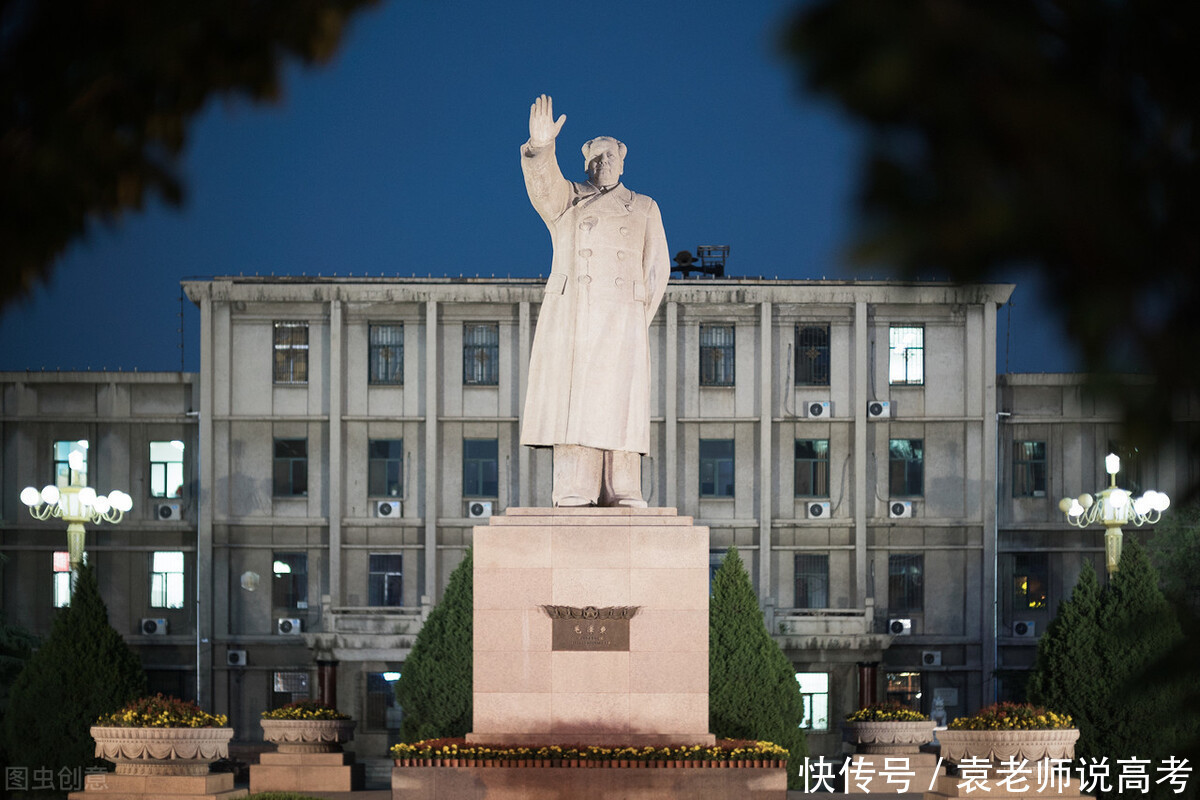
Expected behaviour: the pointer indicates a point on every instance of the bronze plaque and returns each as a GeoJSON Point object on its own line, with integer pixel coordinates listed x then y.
{"type": "Point", "coordinates": [590, 628]}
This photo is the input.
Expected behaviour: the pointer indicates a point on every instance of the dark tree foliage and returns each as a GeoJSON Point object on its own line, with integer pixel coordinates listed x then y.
{"type": "Point", "coordinates": [1052, 135]}
{"type": "Point", "coordinates": [84, 669]}
{"type": "Point", "coordinates": [97, 98]}
{"type": "Point", "coordinates": [16, 646]}
{"type": "Point", "coordinates": [753, 693]}
{"type": "Point", "coordinates": [435, 689]}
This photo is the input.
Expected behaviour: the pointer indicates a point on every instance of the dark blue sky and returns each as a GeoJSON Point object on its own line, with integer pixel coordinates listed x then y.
{"type": "Point", "coordinates": [401, 158]}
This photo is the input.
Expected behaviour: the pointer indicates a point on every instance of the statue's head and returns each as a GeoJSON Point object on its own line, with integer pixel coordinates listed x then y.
{"type": "Point", "coordinates": [604, 160]}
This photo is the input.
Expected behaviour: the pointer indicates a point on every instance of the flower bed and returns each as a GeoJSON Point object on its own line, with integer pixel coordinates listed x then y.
{"type": "Point", "coordinates": [1013, 717]}
{"type": "Point", "coordinates": [725, 753]}
{"type": "Point", "coordinates": [304, 709]}
{"type": "Point", "coordinates": [160, 711]}
{"type": "Point", "coordinates": [1010, 730]}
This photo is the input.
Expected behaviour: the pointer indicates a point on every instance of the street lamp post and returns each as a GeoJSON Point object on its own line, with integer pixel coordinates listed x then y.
{"type": "Point", "coordinates": [76, 504]}
{"type": "Point", "coordinates": [1114, 507]}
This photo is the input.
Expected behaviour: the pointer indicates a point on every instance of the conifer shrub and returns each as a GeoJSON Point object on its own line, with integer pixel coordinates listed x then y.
{"type": "Point", "coordinates": [435, 690]}
{"type": "Point", "coordinates": [82, 671]}
{"type": "Point", "coordinates": [753, 692]}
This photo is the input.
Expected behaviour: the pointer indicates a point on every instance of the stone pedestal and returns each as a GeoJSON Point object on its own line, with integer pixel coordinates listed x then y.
{"type": "Point", "coordinates": [652, 689]}
{"type": "Point", "coordinates": [306, 772]}
{"type": "Point", "coordinates": [111, 786]}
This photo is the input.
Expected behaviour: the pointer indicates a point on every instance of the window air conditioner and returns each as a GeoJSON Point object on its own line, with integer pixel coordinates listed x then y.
{"type": "Point", "coordinates": [154, 627]}
{"type": "Point", "coordinates": [817, 510]}
{"type": "Point", "coordinates": [167, 511]}
{"type": "Point", "coordinates": [818, 408]}
{"type": "Point", "coordinates": [235, 658]}
{"type": "Point", "coordinates": [387, 508]}
{"type": "Point", "coordinates": [931, 658]}
{"type": "Point", "coordinates": [479, 509]}
{"type": "Point", "coordinates": [1024, 629]}
{"type": "Point", "coordinates": [900, 509]}
{"type": "Point", "coordinates": [900, 627]}
{"type": "Point", "coordinates": [287, 626]}
{"type": "Point", "coordinates": [879, 409]}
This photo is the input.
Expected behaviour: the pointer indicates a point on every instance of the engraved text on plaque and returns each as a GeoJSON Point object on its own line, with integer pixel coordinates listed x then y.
{"type": "Point", "coordinates": [590, 628]}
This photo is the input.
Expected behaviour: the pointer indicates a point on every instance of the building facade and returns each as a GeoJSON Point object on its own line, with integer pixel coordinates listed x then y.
{"type": "Point", "coordinates": [895, 503]}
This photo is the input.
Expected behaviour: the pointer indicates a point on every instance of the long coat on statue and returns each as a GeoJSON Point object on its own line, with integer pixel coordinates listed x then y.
{"type": "Point", "coordinates": [589, 373]}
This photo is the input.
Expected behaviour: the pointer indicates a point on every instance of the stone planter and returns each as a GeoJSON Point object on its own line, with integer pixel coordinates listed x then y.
{"type": "Point", "coordinates": [161, 751]}
{"type": "Point", "coordinates": [890, 738]}
{"type": "Point", "coordinates": [308, 735]}
{"type": "Point", "coordinates": [1003, 745]}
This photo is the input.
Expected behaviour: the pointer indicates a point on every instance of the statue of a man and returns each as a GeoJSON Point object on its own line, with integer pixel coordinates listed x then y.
{"type": "Point", "coordinates": [589, 373]}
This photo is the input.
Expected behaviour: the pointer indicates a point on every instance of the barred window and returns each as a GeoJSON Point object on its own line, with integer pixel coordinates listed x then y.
{"type": "Point", "coordinates": [291, 352]}
{"type": "Point", "coordinates": [716, 355]}
{"type": "Point", "coordinates": [906, 582]}
{"type": "Point", "coordinates": [385, 354]}
{"type": "Point", "coordinates": [906, 355]}
{"type": "Point", "coordinates": [906, 467]}
{"type": "Point", "coordinates": [812, 355]}
{"type": "Point", "coordinates": [481, 354]}
{"type": "Point", "coordinates": [1029, 469]}
{"type": "Point", "coordinates": [812, 468]}
{"type": "Point", "coordinates": [812, 581]}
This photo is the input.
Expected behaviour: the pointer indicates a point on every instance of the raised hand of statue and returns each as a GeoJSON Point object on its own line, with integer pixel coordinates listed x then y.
{"type": "Point", "coordinates": [543, 128]}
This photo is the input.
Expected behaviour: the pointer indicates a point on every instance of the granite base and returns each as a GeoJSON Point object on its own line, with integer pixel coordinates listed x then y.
{"type": "Point", "coordinates": [306, 772]}
{"type": "Point", "coordinates": [110, 786]}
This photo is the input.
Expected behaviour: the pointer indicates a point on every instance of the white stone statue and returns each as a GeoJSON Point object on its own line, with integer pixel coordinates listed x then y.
{"type": "Point", "coordinates": [589, 373]}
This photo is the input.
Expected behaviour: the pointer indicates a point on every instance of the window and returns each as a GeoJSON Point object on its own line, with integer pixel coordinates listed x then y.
{"type": "Point", "coordinates": [385, 354]}
{"type": "Point", "coordinates": [70, 463]}
{"type": "Point", "coordinates": [166, 579]}
{"type": "Point", "coordinates": [291, 352]}
{"type": "Point", "coordinates": [814, 691]}
{"type": "Point", "coordinates": [481, 468]}
{"type": "Point", "coordinates": [716, 467]}
{"type": "Point", "coordinates": [906, 355]}
{"type": "Point", "coordinates": [166, 469]}
{"type": "Point", "coordinates": [812, 468]}
{"type": "Point", "coordinates": [715, 557]}
{"type": "Point", "coordinates": [1030, 577]}
{"type": "Point", "coordinates": [62, 579]}
{"type": "Point", "coordinates": [1029, 469]}
{"type": "Point", "coordinates": [481, 354]}
{"type": "Point", "coordinates": [382, 711]}
{"type": "Point", "coordinates": [812, 581]}
{"type": "Point", "coordinates": [906, 467]}
{"type": "Point", "coordinates": [385, 467]}
{"type": "Point", "coordinates": [716, 355]}
{"type": "Point", "coordinates": [383, 579]}
{"type": "Point", "coordinates": [289, 587]}
{"type": "Point", "coordinates": [904, 688]}
{"type": "Point", "coordinates": [906, 582]}
{"type": "Point", "coordinates": [288, 687]}
{"type": "Point", "coordinates": [812, 355]}
{"type": "Point", "coordinates": [291, 467]}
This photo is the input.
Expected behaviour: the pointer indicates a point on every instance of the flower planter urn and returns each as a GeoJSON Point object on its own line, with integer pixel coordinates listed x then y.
{"type": "Point", "coordinates": [161, 751]}
{"type": "Point", "coordinates": [1001, 745]}
{"type": "Point", "coordinates": [308, 735]}
{"type": "Point", "coordinates": [891, 738]}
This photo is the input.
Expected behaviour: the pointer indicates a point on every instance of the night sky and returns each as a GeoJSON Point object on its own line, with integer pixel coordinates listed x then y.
{"type": "Point", "coordinates": [401, 158]}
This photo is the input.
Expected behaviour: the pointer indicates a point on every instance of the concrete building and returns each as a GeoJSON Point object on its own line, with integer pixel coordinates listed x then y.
{"type": "Point", "coordinates": [344, 435]}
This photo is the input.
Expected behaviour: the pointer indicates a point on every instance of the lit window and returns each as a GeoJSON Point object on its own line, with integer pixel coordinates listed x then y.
{"type": "Point", "coordinates": [812, 355]}
{"type": "Point", "coordinates": [386, 354]}
{"type": "Point", "coordinates": [166, 469]}
{"type": "Point", "coordinates": [716, 467]}
{"type": "Point", "coordinates": [385, 572]}
{"type": "Point", "coordinates": [906, 467]}
{"type": "Point", "coordinates": [385, 467]}
{"type": "Point", "coordinates": [1029, 469]}
{"type": "Point", "coordinates": [288, 687]}
{"type": "Point", "coordinates": [481, 468]}
{"type": "Point", "coordinates": [291, 467]}
{"type": "Point", "coordinates": [62, 579]}
{"type": "Point", "coordinates": [1030, 577]}
{"type": "Point", "coordinates": [814, 690]}
{"type": "Point", "coordinates": [812, 581]}
{"type": "Point", "coordinates": [906, 582]}
{"type": "Point", "coordinates": [166, 579]}
{"type": "Point", "coordinates": [812, 468]}
{"type": "Point", "coordinates": [481, 354]}
{"type": "Point", "coordinates": [289, 587]}
{"type": "Point", "coordinates": [906, 355]}
{"type": "Point", "coordinates": [71, 463]}
{"type": "Point", "coordinates": [904, 688]}
{"type": "Point", "coordinates": [716, 355]}
{"type": "Point", "coordinates": [383, 713]}
{"type": "Point", "coordinates": [291, 352]}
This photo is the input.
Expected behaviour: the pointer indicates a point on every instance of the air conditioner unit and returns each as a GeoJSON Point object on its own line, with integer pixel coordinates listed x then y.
{"type": "Point", "coordinates": [1024, 629]}
{"type": "Point", "coordinates": [818, 408]}
{"type": "Point", "coordinates": [931, 658]}
{"type": "Point", "coordinates": [168, 511]}
{"type": "Point", "coordinates": [479, 509]}
{"type": "Point", "coordinates": [387, 508]}
{"type": "Point", "coordinates": [879, 409]}
{"type": "Point", "coordinates": [817, 510]}
{"type": "Point", "coordinates": [900, 627]}
{"type": "Point", "coordinates": [235, 658]}
{"type": "Point", "coordinates": [900, 509]}
{"type": "Point", "coordinates": [287, 626]}
{"type": "Point", "coordinates": [154, 627]}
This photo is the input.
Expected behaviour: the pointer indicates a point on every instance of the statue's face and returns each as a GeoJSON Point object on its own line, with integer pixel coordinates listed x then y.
{"type": "Point", "coordinates": [605, 165]}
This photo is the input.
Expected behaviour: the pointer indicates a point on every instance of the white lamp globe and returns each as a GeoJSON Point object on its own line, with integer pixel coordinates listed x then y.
{"type": "Point", "coordinates": [30, 496]}
{"type": "Point", "coordinates": [50, 495]}
{"type": "Point", "coordinates": [1112, 464]}
{"type": "Point", "coordinates": [87, 496]}
{"type": "Point", "coordinates": [102, 505]}
{"type": "Point", "coordinates": [120, 501]}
